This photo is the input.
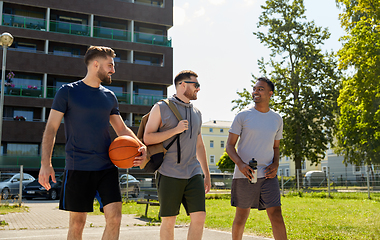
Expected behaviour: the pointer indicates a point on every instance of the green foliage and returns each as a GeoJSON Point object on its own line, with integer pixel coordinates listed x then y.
{"type": "Point", "coordinates": [306, 80]}
{"type": "Point", "coordinates": [359, 123]}
{"type": "Point", "coordinates": [225, 163]}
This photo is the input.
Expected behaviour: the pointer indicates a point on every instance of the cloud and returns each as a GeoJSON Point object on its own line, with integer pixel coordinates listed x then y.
{"type": "Point", "coordinates": [179, 16]}
{"type": "Point", "coordinates": [200, 12]}
{"type": "Point", "coordinates": [217, 2]}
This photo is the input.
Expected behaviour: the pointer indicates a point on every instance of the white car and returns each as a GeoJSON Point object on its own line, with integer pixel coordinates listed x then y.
{"type": "Point", "coordinates": [10, 183]}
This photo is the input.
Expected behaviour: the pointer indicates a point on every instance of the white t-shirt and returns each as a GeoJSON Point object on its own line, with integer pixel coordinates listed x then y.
{"type": "Point", "coordinates": [257, 133]}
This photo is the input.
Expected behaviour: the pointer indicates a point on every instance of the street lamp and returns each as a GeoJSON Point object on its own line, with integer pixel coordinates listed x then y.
{"type": "Point", "coordinates": [6, 40]}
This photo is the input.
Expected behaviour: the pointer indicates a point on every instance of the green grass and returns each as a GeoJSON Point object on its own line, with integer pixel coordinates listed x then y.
{"type": "Point", "coordinates": [306, 215]}
{"type": "Point", "coordinates": [7, 208]}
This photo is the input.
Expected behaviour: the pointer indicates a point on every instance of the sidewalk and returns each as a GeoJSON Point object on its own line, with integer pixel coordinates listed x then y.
{"type": "Point", "coordinates": [45, 221]}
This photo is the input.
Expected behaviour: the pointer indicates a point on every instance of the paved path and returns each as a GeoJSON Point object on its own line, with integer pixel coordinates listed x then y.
{"type": "Point", "coordinates": [45, 221]}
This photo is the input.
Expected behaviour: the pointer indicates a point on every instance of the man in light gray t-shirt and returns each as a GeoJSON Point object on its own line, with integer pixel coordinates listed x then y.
{"type": "Point", "coordinates": [260, 132]}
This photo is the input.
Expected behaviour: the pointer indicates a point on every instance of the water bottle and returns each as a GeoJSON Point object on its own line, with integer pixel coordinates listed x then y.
{"type": "Point", "coordinates": [253, 165]}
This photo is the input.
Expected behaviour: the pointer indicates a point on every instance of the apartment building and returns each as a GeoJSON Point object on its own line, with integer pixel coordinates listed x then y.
{"type": "Point", "coordinates": [214, 135]}
{"type": "Point", "coordinates": [50, 40]}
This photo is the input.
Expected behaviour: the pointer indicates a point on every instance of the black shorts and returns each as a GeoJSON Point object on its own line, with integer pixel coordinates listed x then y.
{"type": "Point", "coordinates": [79, 188]}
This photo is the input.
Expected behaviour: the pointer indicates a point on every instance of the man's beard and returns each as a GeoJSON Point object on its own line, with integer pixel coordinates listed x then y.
{"type": "Point", "coordinates": [103, 76]}
{"type": "Point", "coordinates": [190, 95]}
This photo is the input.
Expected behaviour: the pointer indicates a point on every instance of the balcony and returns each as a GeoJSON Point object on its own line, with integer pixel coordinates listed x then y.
{"type": "Point", "coordinates": [24, 22]}
{"type": "Point", "coordinates": [69, 28]}
{"type": "Point", "coordinates": [153, 39]}
{"type": "Point", "coordinates": [12, 161]}
{"type": "Point", "coordinates": [23, 90]}
{"type": "Point", "coordinates": [110, 33]}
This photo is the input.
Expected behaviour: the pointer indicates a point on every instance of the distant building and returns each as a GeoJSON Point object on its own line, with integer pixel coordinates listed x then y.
{"type": "Point", "coordinates": [50, 40]}
{"type": "Point", "coordinates": [215, 134]}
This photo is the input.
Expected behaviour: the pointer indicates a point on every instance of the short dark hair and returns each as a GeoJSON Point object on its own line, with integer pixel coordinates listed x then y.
{"type": "Point", "coordinates": [269, 82]}
{"type": "Point", "coordinates": [185, 74]}
{"type": "Point", "coordinates": [98, 51]}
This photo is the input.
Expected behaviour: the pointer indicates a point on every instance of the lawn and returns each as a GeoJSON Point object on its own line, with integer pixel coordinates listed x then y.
{"type": "Point", "coordinates": [306, 215]}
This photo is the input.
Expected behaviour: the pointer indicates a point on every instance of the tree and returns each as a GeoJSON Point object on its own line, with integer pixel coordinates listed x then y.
{"type": "Point", "coordinates": [359, 123]}
{"type": "Point", "coordinates": [225, 163]}
{"type": "Point", "coordinates": [306, 80]}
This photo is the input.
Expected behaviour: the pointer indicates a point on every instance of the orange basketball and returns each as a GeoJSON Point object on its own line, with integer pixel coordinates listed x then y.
{"type": "Point", "coordinates": [123, 151]}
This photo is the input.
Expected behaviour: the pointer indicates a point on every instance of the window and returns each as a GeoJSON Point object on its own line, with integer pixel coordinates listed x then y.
{"type": "Point", "coordinates": [27, 114]}
{"type": "Point", "coordinates": [303, 165]}
{"type": "Point", "coordinates": [211, 130]}
{"type": "Point", "coordinates": [222, 144]}
{"type": "Point", "coordinates": [279, 172]}
{"type": "Point", "coordinates": [211, 143]}
{"type": "Point", "coordinates": [22, 149]}
{"type": "Point", "coordinates": [221, 130]}
{"type": "Point", "coordinates": [356, 170]}
{"type": "Point", "coordinates": [287, 158]}
{"type": "Point", "coordinates": [287, 172]}
{"type": "Point", "coordinates": [212, 159]}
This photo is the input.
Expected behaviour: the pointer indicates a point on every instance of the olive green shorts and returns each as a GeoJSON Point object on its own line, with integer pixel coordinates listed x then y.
{"type": "Point", "coordinates": [174, 191]}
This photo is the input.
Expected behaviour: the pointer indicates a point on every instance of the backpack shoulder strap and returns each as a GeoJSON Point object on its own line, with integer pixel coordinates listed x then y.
{"type": "Point", "coordinates": [173, 108]}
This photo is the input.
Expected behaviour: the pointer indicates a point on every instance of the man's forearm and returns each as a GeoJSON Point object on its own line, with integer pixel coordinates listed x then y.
{"type": "Point", "coordinates": [158, 137]}
{"type": "Point", "coordinates": [48, 141]}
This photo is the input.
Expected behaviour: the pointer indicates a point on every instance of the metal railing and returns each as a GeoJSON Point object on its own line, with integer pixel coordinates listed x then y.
{"type": "Point", "coordinates": [23, 90]}
{"type": "Point", "coordinates": [84, 30]}
{"type": "Point", "coordinates": [153, 39]}
{"type": "Point", "coordinates": [38, 91]}
{"type": "Point", "coordinates": [69, 28]}
{"type": "Point", "coordinates": [24, 22]}
{"type": "Point", "coordinates": [111, 33]}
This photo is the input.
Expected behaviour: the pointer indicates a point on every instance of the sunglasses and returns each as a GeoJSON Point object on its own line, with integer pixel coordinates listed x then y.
{"type": "Point", "coordinates": [196, 84]}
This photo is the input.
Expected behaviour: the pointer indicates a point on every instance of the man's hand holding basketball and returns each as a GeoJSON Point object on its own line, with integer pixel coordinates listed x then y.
{"type": "Point", "coordinates": [139, 159]}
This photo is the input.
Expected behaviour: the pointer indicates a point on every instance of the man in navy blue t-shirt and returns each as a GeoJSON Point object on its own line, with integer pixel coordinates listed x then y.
{"type": "Point", "coordinates": [88, 108]}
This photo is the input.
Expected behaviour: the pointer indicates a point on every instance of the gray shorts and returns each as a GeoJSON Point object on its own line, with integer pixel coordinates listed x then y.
{"type": "Point", "coordinates": [261, 195]}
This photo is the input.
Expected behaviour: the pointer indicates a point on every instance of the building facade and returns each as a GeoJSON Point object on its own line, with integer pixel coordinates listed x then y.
{"type": "Point", "coordinates": [50, 40]}
{"type": "Point", "coordinates": [214, 135]}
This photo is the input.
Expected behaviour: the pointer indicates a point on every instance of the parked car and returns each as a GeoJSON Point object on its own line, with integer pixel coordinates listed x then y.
{"type": "Point", "coordinates": [221, 180]}
{"type": "Point", "coordinates": [314, 179]}
{"type": "Point", "coordinates": [10, 183]}
{"type": "Point", "coordinates": [133, 185]}
{"type": "Point", "coordinates": [36, 190]}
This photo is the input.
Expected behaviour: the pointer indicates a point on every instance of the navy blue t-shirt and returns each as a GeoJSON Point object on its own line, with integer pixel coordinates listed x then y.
{"type": "Point", "coordinates": [87, 113]}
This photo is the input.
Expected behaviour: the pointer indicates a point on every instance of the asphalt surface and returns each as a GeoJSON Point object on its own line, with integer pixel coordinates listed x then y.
{"type": "Point", "coordinates": [45, 221]}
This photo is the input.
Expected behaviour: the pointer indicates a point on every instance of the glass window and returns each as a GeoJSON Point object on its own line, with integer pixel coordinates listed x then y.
{"type": "Point", "coordinates": [287, 158]}
{"type": "Point", "coordinates": [221, 130]}
{"type": "Point", "coordinates": [22, 149]}
{"type": "Point", "coordinates": [279, 172]}
{"type": "Point", "coordinates": [26, 47]}
{"type": "Point", "coordinates": [287, 172]}
{"type": "Point", "coordinates": [211, 143]}
{"type": "Point", "coordinates": [222, 144]}
{"type": "Point", "coordinates": [211, 130]}
{"type": "Point", "coordinates": [118, 90]}
{"type": "Point", "coordinates": [212, 159]}
{"type": "Point", "coordinates": [148, 90]}
{"type": "Point", "coordinates": [59, 150]}
{"type": "Point", "coordinates": [303, 165]}
{"type": "Point", "coordinates": [26, 114]}
{"type": "Point", "coordinates": [27, 81]}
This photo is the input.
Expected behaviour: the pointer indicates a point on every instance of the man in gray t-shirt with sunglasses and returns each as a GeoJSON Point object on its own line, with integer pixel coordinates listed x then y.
{"type": "Point", "coordinates": [260, 132]}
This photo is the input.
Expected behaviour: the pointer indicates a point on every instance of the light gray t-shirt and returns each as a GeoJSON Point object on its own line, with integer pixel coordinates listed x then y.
{"type": "Point", "coordinates": [189, 165]}
{"type": "Point", "coordinates": [257, 133]}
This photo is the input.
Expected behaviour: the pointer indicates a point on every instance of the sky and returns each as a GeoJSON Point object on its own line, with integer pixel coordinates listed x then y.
{"type": "Point", "coordinates": [214, 39]}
